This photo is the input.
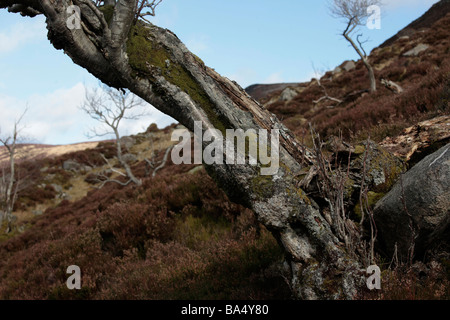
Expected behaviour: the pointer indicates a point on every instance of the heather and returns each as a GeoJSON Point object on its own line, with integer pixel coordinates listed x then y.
{"type": "Point", "coordinates": [425, 79]}
{"type": "Point", "coordinates": [175, 237]}
{"type": "Point", "coordinates": [178, 236]}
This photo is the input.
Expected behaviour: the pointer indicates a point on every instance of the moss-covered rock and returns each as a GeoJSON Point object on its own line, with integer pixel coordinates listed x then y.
{"type": "Point", "coordinates": [379, 168]}
{"type": "Point", "coordinates": [262, 186]}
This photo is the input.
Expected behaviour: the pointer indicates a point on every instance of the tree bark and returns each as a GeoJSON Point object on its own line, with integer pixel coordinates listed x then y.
{"type": "Point", "coordinates": [373, 81]}
{"type": "Point", "coordinates": [365, 60]}
{"type": "Point", "coordinates": [122, 162]}
{"type": "Point", "coordinates": [154, 64]}
{"type": "Point", "coordinates": [10, 186]}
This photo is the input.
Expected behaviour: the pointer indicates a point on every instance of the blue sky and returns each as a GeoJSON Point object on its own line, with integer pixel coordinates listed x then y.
{"type": "Point", "coordinates": [250, 41]}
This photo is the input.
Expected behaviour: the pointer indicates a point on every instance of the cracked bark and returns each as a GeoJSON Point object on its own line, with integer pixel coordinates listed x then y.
{"type": "Point", "coordinates": [163, 72]}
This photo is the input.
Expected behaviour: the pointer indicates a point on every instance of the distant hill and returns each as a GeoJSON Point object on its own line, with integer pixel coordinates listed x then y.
{"type": "Point", "coordinates": [436, 12]}
{"type": "Point", "coordinates": [32, 151]}
{"type": "Point", "coordinates": [261, 91]}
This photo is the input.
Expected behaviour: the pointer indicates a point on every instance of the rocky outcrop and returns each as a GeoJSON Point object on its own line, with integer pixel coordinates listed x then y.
{"type": "Point", "coordinates": [260, 92]}
{"type": "Point", "coordinates": [72, 165]}
{"type": "Point", "coordinates": [416, 50]}
{"type": "Point", "coordinates": [345, 66]}
{"type": "Point", "coordinates": [127, 142]}
{"type": "Point", "coordinates": [349, 65]}
{"type": "Point", "coordinates": [371, 167]}
{"type": "Point", "coordinates": [417, 209]}
{"type": "Point", "coordinates": [379, 168]}
{"type": "Point", "coordinates": [288, 94]}
{"type": "Point", "coordinates": [129, 158]}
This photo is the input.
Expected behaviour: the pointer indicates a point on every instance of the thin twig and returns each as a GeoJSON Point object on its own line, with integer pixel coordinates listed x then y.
{"type": "Point", "coordinates": [163, 163]}
{"type": "Point", "coordinates": [411, 224]}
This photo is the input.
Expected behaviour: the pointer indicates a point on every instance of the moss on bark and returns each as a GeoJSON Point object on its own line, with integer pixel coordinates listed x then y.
{"type": "Point", "coordinates": [147, 56]}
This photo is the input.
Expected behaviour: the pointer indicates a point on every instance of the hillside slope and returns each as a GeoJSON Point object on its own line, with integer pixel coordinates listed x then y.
{"type": "Point", "coordinates": [175, 237]}
{"type": "Point", "coordinates": [178, 236]}
{"type": "Point", "coordinates": [426, 21]}
{"type": "Point", "coordinates": [31, 151]}
{"type": "Point", "coordinates": [419, 62]}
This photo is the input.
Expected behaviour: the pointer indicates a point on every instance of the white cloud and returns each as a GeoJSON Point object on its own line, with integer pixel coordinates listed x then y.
{"type": "Point", "coordinates": [274, 78]}
{"type": "Point", "coordinates": [55, 118]}
{"type": "Point", "coordinates": [51, 118]}
{"type": "Point", "coordinates": [244, 77]}
{"type": "Point", "coordinates": [20, 34]}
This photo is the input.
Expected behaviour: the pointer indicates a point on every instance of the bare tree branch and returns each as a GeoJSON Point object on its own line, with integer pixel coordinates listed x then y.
{"type": "Point", "coordinates": [326, 96]}
{"type": "Point", "coordinates": [162, 164]}
{"type": "Point", "coordinates": [96, 11]}
{"type": "Point", "coordinates": [360, 43]}
{"type": "Point", "coordinates": [112, 168]}
{"type": "Point", "coordinates": [109, 107]}
{"type": "Point", "coordinates": [9, 186]}
{"type": "Point", "coordinates": [355, 12]}
{"type": "Point", "coordinates": [146, 4]}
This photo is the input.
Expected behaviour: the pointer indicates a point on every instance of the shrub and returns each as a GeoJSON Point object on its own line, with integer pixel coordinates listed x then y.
{"type": "Point", "coordinates": [164, 240]}
{"type": "Point", "coordinates": [124, 226]}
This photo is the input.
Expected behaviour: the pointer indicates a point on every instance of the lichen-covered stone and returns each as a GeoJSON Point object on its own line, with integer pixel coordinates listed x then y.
{"type": "Point", "coordinates": [424, 210]}
{"type": "Point", "coordinates": [379, 168]}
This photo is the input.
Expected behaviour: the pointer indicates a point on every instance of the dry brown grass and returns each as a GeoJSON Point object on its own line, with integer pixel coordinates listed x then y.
{"type": "Point", "coordinates": [176, 236]}
{"type": "Point", "coordinates": [32, 151]}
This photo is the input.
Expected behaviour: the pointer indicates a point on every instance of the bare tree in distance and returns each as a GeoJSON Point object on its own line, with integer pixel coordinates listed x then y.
{"type": "Point", "coordinates": [355, 14]}
{"type": "Point", "coordinates": [9, 185]}
{"type": "Point", "coordinates": [109, 107]}
{"type": "Point", "coordinates": [318, 74]}
{"type": "Point", "coordinates": [156, 166]}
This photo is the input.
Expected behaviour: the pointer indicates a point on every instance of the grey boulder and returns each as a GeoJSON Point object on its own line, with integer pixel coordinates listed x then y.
{"type": "Point", "coordinates": [417, 209]}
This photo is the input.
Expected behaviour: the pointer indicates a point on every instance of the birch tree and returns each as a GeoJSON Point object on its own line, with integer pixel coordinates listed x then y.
{"type": "Point", "coordinates": [355, 14]}
{"type": "Point", "coordinates": [110, 107]}
{"type": "Point", "coordinates": [9, 184]}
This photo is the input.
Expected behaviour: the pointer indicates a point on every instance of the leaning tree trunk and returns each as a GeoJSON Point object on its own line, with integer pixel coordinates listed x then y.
{"type": "Point", "coordinates": [364, 58]}
{"type": "Point", "coordinates": [154, 64]}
